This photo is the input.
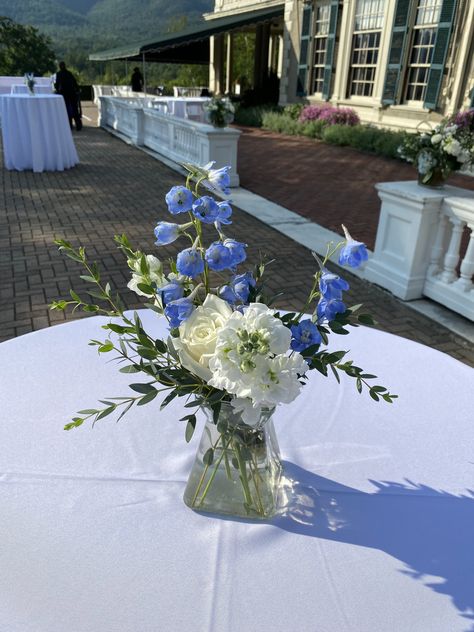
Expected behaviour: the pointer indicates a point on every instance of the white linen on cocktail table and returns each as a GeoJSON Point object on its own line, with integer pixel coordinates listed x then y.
{"type": "Point", "coordinates": [376, 535]}
{"type": "Point", "coordinates": [36, 133]}
{"type": "Point", "coordinates": [22, 88]}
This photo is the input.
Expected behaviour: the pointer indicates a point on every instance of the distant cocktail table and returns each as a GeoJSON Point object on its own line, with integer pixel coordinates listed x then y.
{"type": "Point", "coordinates": [36, 133]}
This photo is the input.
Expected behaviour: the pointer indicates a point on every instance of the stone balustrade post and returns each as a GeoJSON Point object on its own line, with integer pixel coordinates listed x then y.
{"type": "Point", "coordinates": [407, 229]}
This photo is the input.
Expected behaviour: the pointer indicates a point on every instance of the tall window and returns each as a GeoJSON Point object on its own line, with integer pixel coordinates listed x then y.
{"type": "Point", "coordinates": [321, 28]}
{"type": "Point", "coordinates": [424, 35]}
{"type": "Point", "coordinates": [365, 46]}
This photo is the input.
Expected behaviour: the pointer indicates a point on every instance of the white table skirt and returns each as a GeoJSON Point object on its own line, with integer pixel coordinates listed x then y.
{"type": "Point", "coordinates": [376, 535]}
{"type": "Point", "coordinates": [23, 89]}
{"type": "Point", "coordinates": [36, 133]}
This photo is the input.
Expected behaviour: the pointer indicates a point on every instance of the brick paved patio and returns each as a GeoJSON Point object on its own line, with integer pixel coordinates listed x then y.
{"type": "Point", "coordinates": [118, 188]}
{"type": "Point", "coordinates": [329, 185]}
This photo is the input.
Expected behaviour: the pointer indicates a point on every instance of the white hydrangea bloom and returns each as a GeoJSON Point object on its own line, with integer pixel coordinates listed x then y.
{"type": "Point", "coordinates": [452, 147]}
{"type": "Point", "coordinates": [251, 361]}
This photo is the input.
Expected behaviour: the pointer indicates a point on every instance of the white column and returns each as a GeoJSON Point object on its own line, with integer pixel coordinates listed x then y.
{"type": "Point", "coordinates": [463, 48]}
{"type": "Point", "coordinates": [229, 63]}
{"type": "Point", "coordinates": [280, 56]}
{"type": "Point", "coordinates": [216, 64]}
{"type": "Point", "coordinates": [344, 51]}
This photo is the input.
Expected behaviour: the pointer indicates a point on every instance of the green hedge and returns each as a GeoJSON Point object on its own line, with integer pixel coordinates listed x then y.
{"type": "Point", "coordinates": [253, 115]}
{"type": "Point", "coordinates": [363, 137]}
{"type": "Point", "coordinates": [382, 142]}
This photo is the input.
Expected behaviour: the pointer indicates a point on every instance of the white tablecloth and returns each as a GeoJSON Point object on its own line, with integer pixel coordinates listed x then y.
{"type": "Point", "coordinates": [376, 535]}
{"type": "Point", "coordinates": [23, 89]}
{"type": "Point", "coordinates": [36, 133]}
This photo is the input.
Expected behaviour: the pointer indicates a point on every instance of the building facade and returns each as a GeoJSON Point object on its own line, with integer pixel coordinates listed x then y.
{"type": "Point", "coordinates": [398, 63]}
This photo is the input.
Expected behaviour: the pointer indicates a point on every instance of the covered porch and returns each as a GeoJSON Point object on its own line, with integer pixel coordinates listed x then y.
{"type": "Point", "coordinates": [212, 42]}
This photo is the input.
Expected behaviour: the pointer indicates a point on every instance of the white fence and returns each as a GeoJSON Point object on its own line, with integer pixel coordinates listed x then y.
{"type": "Point", "coordinates": [420, 245]}
{"type": "Point", "coordinates": [188, 91]}
{"type": "Point", "coordinates": [177, 139]}
{"type": "Point", "coordinates": [113, 91]}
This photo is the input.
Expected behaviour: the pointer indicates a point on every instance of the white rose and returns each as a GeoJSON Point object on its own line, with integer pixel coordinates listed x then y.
{"type": "Point", "coordinates": [198, 334]}
{"type": "Point", "coordinates": [437, 138]}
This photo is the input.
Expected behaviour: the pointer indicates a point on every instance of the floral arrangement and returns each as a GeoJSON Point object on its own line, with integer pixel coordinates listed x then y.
{"type": "Point", "coordinates": [30, 82]}
{"type": "Point", "coordinates": [227, 351]}
{"type": "Point", "coordinates": [329, 114]}
{"type": "Point", "coordinates": [220, 111]}
{"type": "Point", "coordinates": [447, 148]}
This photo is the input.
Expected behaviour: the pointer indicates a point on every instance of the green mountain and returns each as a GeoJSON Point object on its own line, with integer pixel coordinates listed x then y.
{"type": "Point", "coordinates": [80, 27]}
{"type": "Point", "coordinates": [44, 14]}
{"type": "Point", "coordinates": [111, 19]}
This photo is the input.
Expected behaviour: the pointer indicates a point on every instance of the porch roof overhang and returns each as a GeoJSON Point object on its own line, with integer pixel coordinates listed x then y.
{"type": "Point", "coordinates": [190, 46]}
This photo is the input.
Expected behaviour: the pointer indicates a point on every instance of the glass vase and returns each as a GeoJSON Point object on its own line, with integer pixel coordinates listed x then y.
{"type": "Point", "coordinates": [237, 469]}
{"type": "Point", "coordinates": [435, 179]}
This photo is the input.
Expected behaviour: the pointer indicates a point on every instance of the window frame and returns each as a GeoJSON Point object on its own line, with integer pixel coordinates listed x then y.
{"type": "Point", "coordinates": [413, 28]}
{"type": "Point", "coordinates": [373, 50]}
{"type": "Point", "coordinates": [326, 4]}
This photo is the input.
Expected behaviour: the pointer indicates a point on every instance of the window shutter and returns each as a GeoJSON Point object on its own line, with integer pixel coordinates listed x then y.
{"type": "Point", "coordinates": [330, 46]}
{"type": "Point", "coordinates": [304, 50]}
{"type": "Point", "coordinates": [397, 49]}
{"type": "Point", "coordinates": [435, 76]}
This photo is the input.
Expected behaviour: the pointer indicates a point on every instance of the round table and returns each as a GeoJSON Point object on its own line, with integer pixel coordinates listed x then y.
{"type": "Point", "coordinates": [375, 534]}
{"type": "Point", "coordinates": [36, 133]}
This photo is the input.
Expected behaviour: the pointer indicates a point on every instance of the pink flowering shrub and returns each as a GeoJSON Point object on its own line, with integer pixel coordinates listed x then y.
{"type": "Point", "coordinates": [465, 119]}
{"type": "Point", "coordinates": [313, 112]}
{"type": "Point", "coordinates": [329, 114]}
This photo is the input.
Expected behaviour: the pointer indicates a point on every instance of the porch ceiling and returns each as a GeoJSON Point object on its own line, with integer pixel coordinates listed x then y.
{"type": "Point", "coordinates": [190, 46]}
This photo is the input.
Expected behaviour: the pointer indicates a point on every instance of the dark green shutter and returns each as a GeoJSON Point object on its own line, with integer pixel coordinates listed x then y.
{"type": "Point", "coordinates": [330, 46]}
{"type": "Point", "coordinates": [435, 76]}
{"type": "Point", "coordinates": [306, 33]}
{"type": "Point", "coordinates": [396, 54]}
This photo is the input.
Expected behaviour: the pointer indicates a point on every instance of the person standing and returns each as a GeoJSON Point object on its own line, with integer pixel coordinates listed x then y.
{"type": "Point", "coordinates": [137, 80]}
{"type": "Point", "coordinates": [67, 86]}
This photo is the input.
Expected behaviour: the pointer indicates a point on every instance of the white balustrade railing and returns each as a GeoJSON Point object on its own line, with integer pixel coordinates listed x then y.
{"type": "Point", "coordinates": [188, 91]}
{"type": "Point", "coordinates": [176, 139]}
{"type": "Point", "coordinates": [113, 91]}
{"type": "Point", "coordinates": [419, 245]}
{"type": "Point", "coordinates": [450, 274]}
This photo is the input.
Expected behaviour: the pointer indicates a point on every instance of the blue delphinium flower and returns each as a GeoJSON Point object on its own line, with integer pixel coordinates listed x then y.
{"type": "Point", "coordinates": [331, 285]}
{"type": "Point", "coordinates": [237, 251]}
{"type": "Point", "coordinates": [178, 311]}
{"type": "Point", "coordinates": [218, 257]}
{"type": "Point", "coordinates": [238, 288]}
{"type": "Point", "coordinates": [225, 211]}
{"type": "Point", "coordinates": [304, 334]}
{"type": "Point", "coordinates": [206, 209]}
{"type": "Point", "coordinates": [327, 309]}
{"type": "Point", "coordinates": [166, 233]}
{"type": "Point", "coordinates": [353, 253]}
{"type": "Point", "coordinates": [217, 179]}
{"type": "Point", "coordinates": [179, 200]}
{"type": "Point", "coordinates": [171, 292]}
{"type": "Point", "coordinates": [227, 294]}
{"type": "Point", "coordinates": [241, 285]}
{"type": "Point", "coordinates": [189, 262]}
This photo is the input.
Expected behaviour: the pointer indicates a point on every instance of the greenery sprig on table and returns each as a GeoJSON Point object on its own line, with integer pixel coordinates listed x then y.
{"type": "Point", "coordinates": [225, 343]}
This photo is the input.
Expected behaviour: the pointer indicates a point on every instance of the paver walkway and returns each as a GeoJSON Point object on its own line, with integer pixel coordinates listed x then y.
{"type": "Point", "coordinates": [118, 188]}
{"type": "Point", "coordinates": [329, 185]}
